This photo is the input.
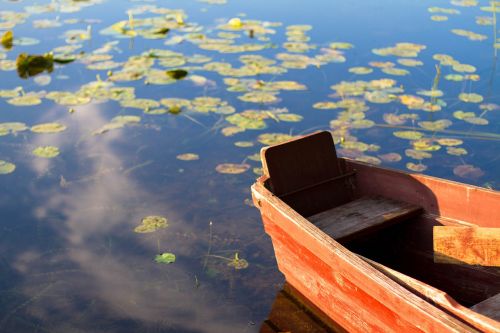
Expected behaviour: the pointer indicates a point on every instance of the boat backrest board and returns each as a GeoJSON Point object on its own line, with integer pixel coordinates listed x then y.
{"type": "Point", "coordinates": [306, 162]}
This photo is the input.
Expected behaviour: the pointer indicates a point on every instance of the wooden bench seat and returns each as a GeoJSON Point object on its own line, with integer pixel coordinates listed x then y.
{"type": "Point", "coordinates": [363, 216]}
{"type": "Point", "coordinates": [489, 307]}
{"type": "Point", "coordinates": [305, 173]}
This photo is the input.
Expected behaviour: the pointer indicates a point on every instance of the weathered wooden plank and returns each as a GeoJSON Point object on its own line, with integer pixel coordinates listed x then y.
{"type": "Point", "coordinates": [485, 321]}
{"type": "Point", "coordinates": [362, 216]}
{"type": "Point", "coordinates": [489, 307]}
{"type": "Point", "coordinates": [466, 245]}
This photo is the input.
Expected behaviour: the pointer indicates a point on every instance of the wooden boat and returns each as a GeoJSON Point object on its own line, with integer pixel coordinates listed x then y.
{"type": "Point", "coordinates": [380, 250]}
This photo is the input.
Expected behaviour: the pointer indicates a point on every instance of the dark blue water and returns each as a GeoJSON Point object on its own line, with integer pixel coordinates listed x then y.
{"type": "Point", "coordinates": [70, 260]}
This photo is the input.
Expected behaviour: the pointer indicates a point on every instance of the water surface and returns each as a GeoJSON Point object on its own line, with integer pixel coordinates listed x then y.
{"type": "Point", "coordinates": [70, 260]}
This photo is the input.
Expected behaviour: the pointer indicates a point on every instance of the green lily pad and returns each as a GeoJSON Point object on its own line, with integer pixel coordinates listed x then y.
{"type": "Point", "coordinates": [244, 144]}
{"type": "Point", "coordinates": [151, 224]}
{"type": "Point", "coordinates": [31, 65]}
{"type": "Point", "coordinates": [177, 74]}
{"type": "Point", "coordinates": [48, 128]}
{"type": "Point", "coordinates": [416, 167]}
{"type": "Point", "coordinates": [273, 138]}
{"type": "Point", "coordinates": [12, 127]}
{"type": "Point", "coordinates": [410, 135]}
{"type": "Point", "coordinates": [468, 171]}
{"type": "Point", "coordinates": [246, 122]}
{"type": "Point", "coordinates": [140, 103]}
{"type": "Point", "coordinates": [6, 167]}
{"type": "Point", "coordinates": [416, 154]}
{"type": "Point", "coordinates": [259, 97]}
{"type": "Point", "coordinates": [290, 117]}
{"type": "Point", "coordinates": [469, 34]}
{"type": "Point", "coordinates": [165, 258]}
{"type": "Point", "coordinates": [126, 119]}
{"type": "Point", "coordinates": [188, 157]}
{"type": "Point", "coordinates": [470, 98]}
{"type": "Point", "coordinates": [46, 151]}
{"type": "Point", "coordinates": [437, 125]}
{"type": "Point", "coordinates": [7, 39]}
{"type": "Point", "coordinates": [390, 157]}
{"type": "Point", "coordinates": [325, 105]}
{"type": "Point", "coordinates": [449, 142]}
{"type": "Point", "coordinates": [360, 70]}
{"type": "Point", "coordinates": [232, 168]}
{"type": "Point", "coordinates": [410, 62]}
{"type": "Point", "coordinates": [25, 100]}
{"type": "Point", "coordinates": [439, 18]}
{"type": "Point", "coordinates": [456, 151]}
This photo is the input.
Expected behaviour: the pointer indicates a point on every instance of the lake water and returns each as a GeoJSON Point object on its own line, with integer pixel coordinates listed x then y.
{"type": "Point", "coordinates": [135, 137]}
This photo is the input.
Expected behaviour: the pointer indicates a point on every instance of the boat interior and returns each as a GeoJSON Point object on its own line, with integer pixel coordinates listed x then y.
{"type": "Point", "coordinates": [394, 220]}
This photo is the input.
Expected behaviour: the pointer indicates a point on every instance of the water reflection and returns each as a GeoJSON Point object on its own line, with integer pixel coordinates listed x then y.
{"type": "Point", "coordinates": [292, 312]}
{"type": "Point", "coordinates": [95, 267]}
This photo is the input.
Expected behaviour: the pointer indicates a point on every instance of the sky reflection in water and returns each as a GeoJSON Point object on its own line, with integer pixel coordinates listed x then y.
{"type": "Point", "coordinates": [69, 259]}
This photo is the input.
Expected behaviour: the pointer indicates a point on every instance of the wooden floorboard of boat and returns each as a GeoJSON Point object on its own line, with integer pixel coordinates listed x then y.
{"type": "Point", "coordinates": [362, 216]}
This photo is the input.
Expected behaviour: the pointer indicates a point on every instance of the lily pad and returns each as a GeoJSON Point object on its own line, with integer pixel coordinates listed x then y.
{"type": "Point", "coordinates": [360, 70]}
{"type": "Point", "coordinates": [390, 157]}
{"type": "Point", "coordinates": [410, 135]}
{"type": "Point", "coordinates": [470, 98]}
{"type": "Point", "coordinates": [151, 224]}
{"type": "Point", "coordinates": [437, 125]}
{"type": "Point", "coordinates": [177, 74]}
{"type": "Point", "coordinates": [25, 100]}
{"type": "Point", "coordinates": [46, 151]}
{"type": "Point", "coordinates": [456, 151]}
{"type": "Point", "coordinates": [232, 168]}
{"type": "Point", "coordinates": [31, 65]}
{"type": "Point", "coordinates": [416, 154]}
{"type": "Point", "coordinates": [188, 157]}
{"type": "Point", "coordinates": [165, 258]}
{"type": "Point", "coordinates": [12, 127]}
{"type": "Point", "coordinates": [6, 167]}
{"type": "Point", "coordinates": [244, 144]}
{"type": "Point", "coordinates": [273, 138]}
{"type": "Point", "coordinates": [325, 105]}
{"type": "Point", "coordinates": [468, 171]}
{"type": "Point", "coordinates": [7, 39]}
{"type": "Point", "coordinates": [449, 142]}
{"type": "Point", "coordinates": [416, 167]}
{"type": "Point", "coordinates": [48, 128]}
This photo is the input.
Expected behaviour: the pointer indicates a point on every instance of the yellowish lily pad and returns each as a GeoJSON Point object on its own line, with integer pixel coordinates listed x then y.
{"type": "Point", "coordinates": [46, 151]}
{"type": "Point", "coordinates": [151, 224]}
{"type": "Point", "coordinates": [48, 128]}
{"type": "Point", "coordinates": [6, 167]}
{"type": "Point", "coordinates": [232, 168]}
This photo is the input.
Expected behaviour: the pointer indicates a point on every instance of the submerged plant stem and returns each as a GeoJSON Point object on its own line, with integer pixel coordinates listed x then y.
{"type": "Point", "coordinates": [209, 245]}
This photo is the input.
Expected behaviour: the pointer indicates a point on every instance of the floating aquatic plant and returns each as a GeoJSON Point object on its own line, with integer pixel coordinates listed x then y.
{"type": "Point", "coordinates": [7, 40]}
{"type": "Point", "coordinates": [46, 151]}
{"type": "Point", "coordinates": [232, 168]}
{"type": "Point", "coordinates": [151, 224]}
{"type": "Point", "coordinates": [165, 258]}
{"type": "Point", "coordinates": [6, 167]}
